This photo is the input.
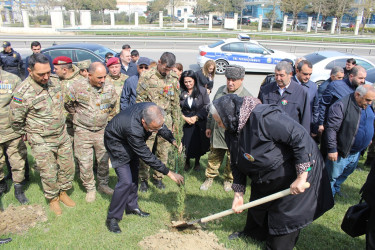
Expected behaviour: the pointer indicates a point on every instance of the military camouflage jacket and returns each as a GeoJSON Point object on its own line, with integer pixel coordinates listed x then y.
{"type": "Point", "coordinates": [118, 82]}
{"type": "Point", "coordinates": [8, 83]}
{"type": "Point", "coordinates": [65, 84]}
{"type": "Point", "coordinates": [36, 109]}
{"type": "Point", "coordinates": [164, 91]}
{"type": "Point", "coordinates": [91, 108]}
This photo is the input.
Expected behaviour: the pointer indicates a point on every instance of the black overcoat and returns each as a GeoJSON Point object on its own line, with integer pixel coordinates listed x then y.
{"type": "Point", "coordinates": [276, 144]}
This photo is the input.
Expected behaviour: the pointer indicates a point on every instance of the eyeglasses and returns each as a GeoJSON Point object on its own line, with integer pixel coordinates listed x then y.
{"type": "Point", "coordinates": [156, 129]}
{"type": "Point", "coordinates": [143, 67]}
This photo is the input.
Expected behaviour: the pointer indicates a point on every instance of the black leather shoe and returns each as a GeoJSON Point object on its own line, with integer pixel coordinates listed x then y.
{"type": "Point", "coordinates": [159, 184]}
{"type": "Point", "coordinates": [4, 241]}
{"type": "Point", "coordinates": [138, 212]}
{"type": "Point", "coordinates": [237, 235]}
{"type": "Point", "coordinates": [113, 226]}
{"type": "Point", "coordinates": [144, 186]}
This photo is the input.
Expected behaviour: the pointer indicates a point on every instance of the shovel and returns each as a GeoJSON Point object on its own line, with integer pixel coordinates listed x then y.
{"type": "Point", "coordinates": [260, 201]}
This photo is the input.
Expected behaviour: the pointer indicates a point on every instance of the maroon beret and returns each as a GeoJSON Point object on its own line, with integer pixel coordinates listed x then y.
{"type": "Point", "coordinates": [60, 60]}
{"type": "Point", "coordinates": [113, 60]}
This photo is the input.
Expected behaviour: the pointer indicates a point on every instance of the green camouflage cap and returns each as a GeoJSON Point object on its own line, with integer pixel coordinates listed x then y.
{"type": "Point", "coordinates": [84, 64]}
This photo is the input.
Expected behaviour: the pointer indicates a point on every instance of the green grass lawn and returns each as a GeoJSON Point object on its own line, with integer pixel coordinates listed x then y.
{"type": "Point", "coordinates": [83, 227]}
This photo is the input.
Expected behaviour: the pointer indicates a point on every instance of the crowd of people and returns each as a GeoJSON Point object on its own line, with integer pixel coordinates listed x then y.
{"type": "Point", "coordinates": [126, 112]}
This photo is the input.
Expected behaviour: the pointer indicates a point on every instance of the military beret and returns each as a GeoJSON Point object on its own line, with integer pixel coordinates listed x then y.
{"type": "Point", "coordinates": [61, 60]}
{"type": "Point", "coordinates": [84, 64]}
{"type": "Point", "coordinates": [112, 61]}
{"type": "Point", "coordinates": [6, 44]}
{"type": "Point", "coordinates": [235, 72]}
{"type": "Point", "coordinates": [144, 60]}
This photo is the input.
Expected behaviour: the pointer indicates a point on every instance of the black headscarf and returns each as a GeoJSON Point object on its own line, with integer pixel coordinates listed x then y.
{"type": "Point", "coordinates": [228, 108]}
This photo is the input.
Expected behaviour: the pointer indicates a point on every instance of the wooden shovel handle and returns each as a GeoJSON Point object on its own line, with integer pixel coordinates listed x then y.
{"type": "Point", "coordinates": [251, 204]}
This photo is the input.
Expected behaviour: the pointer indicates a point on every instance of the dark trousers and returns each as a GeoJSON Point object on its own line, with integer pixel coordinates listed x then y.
{"type": "Point", "coordinates": [370, 235]}
{"type": "Point", "coordinates": [125, 196]}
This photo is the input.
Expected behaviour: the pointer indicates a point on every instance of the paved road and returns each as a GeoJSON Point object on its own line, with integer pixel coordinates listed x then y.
{"type": "Point", "coordinates": [186, 50]}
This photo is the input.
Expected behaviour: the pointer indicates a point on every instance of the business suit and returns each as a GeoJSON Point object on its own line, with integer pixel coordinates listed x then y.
{"type": "Point", "coordinates": [124, 139]}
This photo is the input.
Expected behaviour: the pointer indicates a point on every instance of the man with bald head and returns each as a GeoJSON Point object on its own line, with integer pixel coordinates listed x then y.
{"type": "Point", "coordinates": [349, 130]}
{"type": "Point", "coordinates": [127, 66]}
{"type": "Point", "coordinates": [125, 139]}
{"type": "Point", "coordinates": [92, 103]}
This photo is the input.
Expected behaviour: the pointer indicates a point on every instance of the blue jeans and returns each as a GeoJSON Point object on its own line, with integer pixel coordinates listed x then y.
{"type": "Point", "coordinates": [339, 170]}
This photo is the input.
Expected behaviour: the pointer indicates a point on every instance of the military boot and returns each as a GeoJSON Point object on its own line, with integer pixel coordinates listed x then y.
{"type": "Point", "coordinates": [54, 205]}
{"type": "Point", "coordinates": [158, 183]}
{"type": "Point", "coordinates": [19, 193]}
{"type": "Point", "coordinates": [64, 198]}
{"type": "Point", "coordinates": [91, 196]}
{"type": "Point", "coordinates": [207, 184]}
{"type": "Point", "coordinates": [3, 187]}
{"type": "Point", "coordinates": [144, 186]}
{"type": "Point", "coordinates": [105, 189]}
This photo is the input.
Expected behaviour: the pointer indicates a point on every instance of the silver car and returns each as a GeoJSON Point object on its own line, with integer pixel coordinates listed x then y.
{"type": "Point", "coordinates": [324, 61]}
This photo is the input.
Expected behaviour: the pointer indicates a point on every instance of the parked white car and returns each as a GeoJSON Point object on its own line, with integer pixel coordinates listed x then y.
{"type": "Point", "coordinates": [241, 51]}
{"type": "Point", "coordinates": [324, 61]}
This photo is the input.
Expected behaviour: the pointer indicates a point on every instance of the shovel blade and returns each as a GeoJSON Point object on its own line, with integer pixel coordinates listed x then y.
{"type": "Point", "coordinates": [184, 224]}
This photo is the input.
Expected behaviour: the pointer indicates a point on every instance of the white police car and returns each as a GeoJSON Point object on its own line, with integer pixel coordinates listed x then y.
{"type": "Point", "coordinates": [241, 51]}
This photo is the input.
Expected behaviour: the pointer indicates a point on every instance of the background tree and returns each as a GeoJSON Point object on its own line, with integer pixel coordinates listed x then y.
{"type": "Point", "coordinates": [365, 8]}
{"type": "Point", "coordinates": [339, 9]}
{"type": "Point", "coordinates": [154, 7]}
{"type": "Point", "coordinates": [101, 5]}
{"type": "Point", "coordinates": [272, 14]}
{"type": "Point", "coordinates": [222, 6]}
{"type": "Point", "coordinates": [202, 8]}
{"type": "Point", "coordinates": [294, 7]}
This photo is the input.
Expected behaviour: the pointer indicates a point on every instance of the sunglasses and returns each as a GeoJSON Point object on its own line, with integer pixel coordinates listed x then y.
{"type": "Point", "coordinates": [143, 67]}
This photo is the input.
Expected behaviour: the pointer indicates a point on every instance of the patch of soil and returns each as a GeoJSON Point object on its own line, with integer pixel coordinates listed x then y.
{"type": "Point", "coordinates": [19, 219]}
{"type": "Point", "coordinates": [191, 240]}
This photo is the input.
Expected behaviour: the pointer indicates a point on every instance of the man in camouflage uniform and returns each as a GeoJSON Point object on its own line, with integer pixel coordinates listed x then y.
{"type": "Point", "coordinates": [67, 73]}
{"type": "Point", "coordinates": [159, 85]}
{"type": "Point", "coordinates": [36, 112]}
{"type": "Point", "coordinates": [92, 103]}
{"type": "Point", "coordinates": [116, 78]}
{"type": "Point", "coordinates": [84, 67]}
{"type": "Point", "coordinates": [11, 143]}
{"type": "Point", "coordinates": [235, 75]}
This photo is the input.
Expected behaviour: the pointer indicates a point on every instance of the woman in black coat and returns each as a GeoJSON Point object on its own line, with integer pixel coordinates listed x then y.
{"type": "Point", "coordinates": [193, 101]}
{"type": "Point", "coordinates": [206, 75]}
{"type": "Point", "coordinates": [276, 153]}
{"type": "Point", "coordinates": [368, 194]}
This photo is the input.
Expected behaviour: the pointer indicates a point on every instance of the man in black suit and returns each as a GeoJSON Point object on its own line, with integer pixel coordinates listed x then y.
{"type": "Point", "coordinates": [125, 140]}
{"type": "Point", "coordinates": [368, 194]}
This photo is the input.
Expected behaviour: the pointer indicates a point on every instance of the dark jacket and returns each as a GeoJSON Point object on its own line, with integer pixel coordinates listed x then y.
{"type": "Point", "coordinates": [322, 87]}
{"type": "Point", "coordinates": [203, 80]}
{"type": "Point", "coordinates": [334, 91]}
{"type": "Point", "coordinates": [294, 101]}
{"type": "Point", "coordinates": [200, 102]}
{"type": "Point", "coordinates": [312, 90]}
{"type": "Point", "coordinates": [368, 189]}
{"type": "Point", "coordinates": [343, 123]}
{"type": "Point", "coordinates": [132, 69]}
{"type": "Point", "coordinates": [27, 64]}
{"type": "Point", "coordinates": [125, 137]}
{"type": "Point", "coordinates": [129, 92]}
{"type": "Point", "coordinates": [275, 152]}
{"type": "Point", "coordinates": [11, 62]}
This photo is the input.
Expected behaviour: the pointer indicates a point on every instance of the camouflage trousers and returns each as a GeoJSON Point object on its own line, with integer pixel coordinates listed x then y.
{"type": "Point", "coordinates": [215, 159]}
{"type": "Point", "coordinates": [86, 143]}
{"type": "Point", "coordinates": [17, 153]}
{"type": "Point", "coordinates": [54, 160]}
{"type": "Point", "coordinates": [161, 149]}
